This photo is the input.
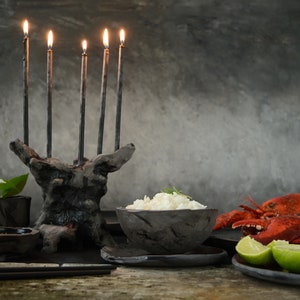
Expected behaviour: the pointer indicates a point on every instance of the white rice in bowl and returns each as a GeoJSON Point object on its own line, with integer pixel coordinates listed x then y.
{"type": "Point", "coordinates": [166, 201]}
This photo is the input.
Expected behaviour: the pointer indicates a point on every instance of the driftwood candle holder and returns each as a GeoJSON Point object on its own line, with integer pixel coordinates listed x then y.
{"type": "Point", "coordinates": [71, 194]}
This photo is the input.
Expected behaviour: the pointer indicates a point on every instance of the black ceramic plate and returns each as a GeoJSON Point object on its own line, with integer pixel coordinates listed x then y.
{"type": "Point", "coordinates": [126, 255]}
{"type": "Point", "coordinates": [266, 274]}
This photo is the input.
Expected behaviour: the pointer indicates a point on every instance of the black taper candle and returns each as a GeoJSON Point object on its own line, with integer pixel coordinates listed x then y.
{"type": "Point", "coordinates": [49, 93]}
{"type": "Point", "coordinates": [103, 91]}
{"type": "Point", "coordinates": [82, 103]}
{"type": "Point", "coordinates": [119, 91]}
{"type": "Point", "coordinates": [25, 83]}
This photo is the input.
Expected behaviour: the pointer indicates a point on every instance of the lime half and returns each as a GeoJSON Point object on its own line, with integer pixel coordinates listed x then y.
{"type": "Point", "coordinates": [287, 256]}
{"type": "Point", "coordinates": [253, 252]}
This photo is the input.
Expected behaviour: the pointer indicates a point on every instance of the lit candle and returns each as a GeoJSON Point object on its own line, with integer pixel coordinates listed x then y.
{"type": "Point", "coordinates": [103, 90]}
{"type": "Point", "coordinates": [49, 92]}
{"type": "Point", "coordinates": [82, 104]}
{"type": "Point", "coordinates": [119, 91]}
{"type": "Point", "coordinates": [25, 82]}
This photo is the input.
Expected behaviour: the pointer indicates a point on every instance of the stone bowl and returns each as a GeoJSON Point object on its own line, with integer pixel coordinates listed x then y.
{"type": "Point", "coordinates": [167, 231]}
{"type": "Point", "coordinates": [18, 240]}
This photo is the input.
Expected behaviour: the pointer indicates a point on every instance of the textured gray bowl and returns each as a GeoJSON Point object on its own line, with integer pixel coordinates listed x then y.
{"type": "Point", "coordinates": [167, 231]}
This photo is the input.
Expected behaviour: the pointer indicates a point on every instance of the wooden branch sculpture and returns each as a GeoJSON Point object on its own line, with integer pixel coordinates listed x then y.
{"type": "Point", "coordinates": [71, 194]}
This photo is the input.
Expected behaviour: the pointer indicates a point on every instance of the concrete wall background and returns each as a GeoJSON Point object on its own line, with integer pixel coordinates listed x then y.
{"type": "Point", "coordinates": [210, 97]}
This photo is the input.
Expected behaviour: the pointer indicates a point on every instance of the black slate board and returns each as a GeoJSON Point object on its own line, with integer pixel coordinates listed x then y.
{"type": "Point", "coordinates": [22, 271]}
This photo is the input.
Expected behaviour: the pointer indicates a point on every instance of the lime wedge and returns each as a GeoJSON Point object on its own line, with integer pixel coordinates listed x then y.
{"type": "Point", "coordinates": [287, 256]}
{"type": "Point", "coordinates": [277, 243]}
{"type": "Point", "coordinates": [253, 252]}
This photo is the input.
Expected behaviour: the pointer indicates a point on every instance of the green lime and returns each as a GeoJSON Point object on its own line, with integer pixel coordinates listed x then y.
{"type": "Point", "coordinates": [254, 252]}
{"type": "Point", "coordinates": [277, 243]}
{"type": "Point", "coordinates": [287, 256]}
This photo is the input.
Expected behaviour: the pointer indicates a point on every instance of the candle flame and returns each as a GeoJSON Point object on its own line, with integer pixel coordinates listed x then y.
{"type": "Point", "coordinates": [105, 38]}
{"type": "Point", "coordinates": [50, 39]}
{"type": "Point", "coordinates": [84, 46]}
{"type": "Point", "coordinates": [122, 36]}
{"type": "Point", "coordinates": [25, 27]}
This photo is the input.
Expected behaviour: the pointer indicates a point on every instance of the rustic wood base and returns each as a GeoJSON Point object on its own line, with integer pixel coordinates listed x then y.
{"type": "Point", "coordinates": [72, 193]}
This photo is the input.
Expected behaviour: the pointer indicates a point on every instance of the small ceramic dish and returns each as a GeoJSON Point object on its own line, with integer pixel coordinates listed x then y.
{"type": "Point", "coordinates": [18, 240]}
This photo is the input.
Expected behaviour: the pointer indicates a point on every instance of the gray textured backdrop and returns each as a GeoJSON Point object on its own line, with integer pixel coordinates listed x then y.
{"type": "Point", "coordinates": [210, 98]}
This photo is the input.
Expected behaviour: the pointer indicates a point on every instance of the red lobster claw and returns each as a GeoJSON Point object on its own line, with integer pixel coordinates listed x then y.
{"type": "Point", "coordinates": [277, 228]}
{"type": "Point", "coordinates": [226, 219]}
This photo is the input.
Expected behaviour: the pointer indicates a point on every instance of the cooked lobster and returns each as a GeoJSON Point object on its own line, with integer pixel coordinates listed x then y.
{"type": "Point", "coordinates": [277, 218]}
